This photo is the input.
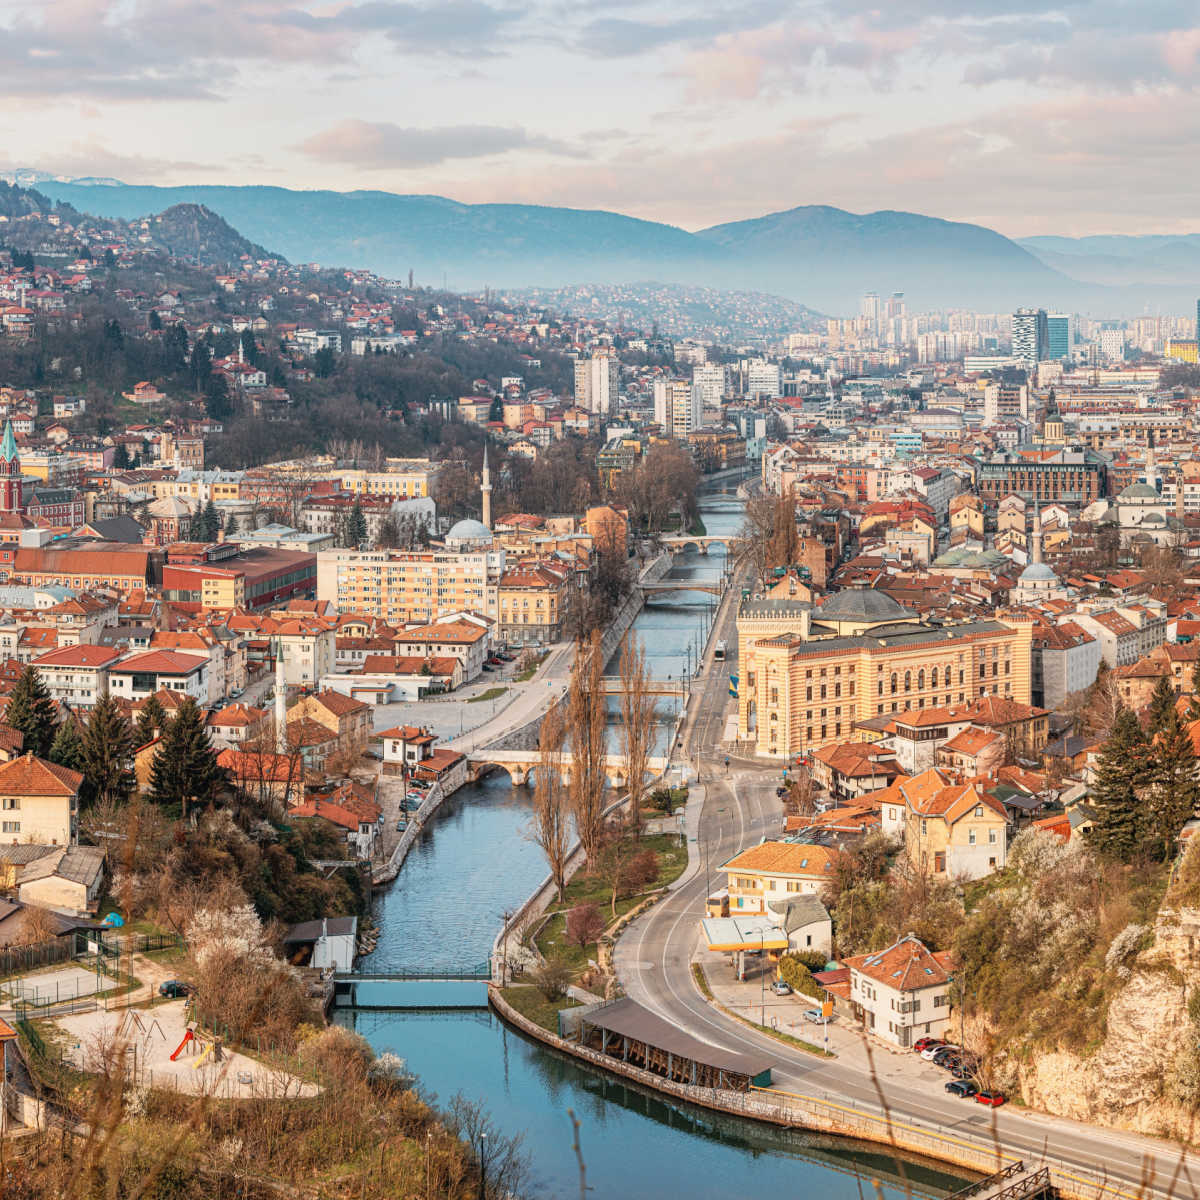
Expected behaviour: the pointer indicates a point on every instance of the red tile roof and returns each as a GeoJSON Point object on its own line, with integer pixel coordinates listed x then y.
{"type": "Point", "coordinates": [32, 776]}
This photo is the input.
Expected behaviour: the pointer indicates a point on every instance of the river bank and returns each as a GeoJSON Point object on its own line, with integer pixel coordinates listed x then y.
{"type": "Point", "coordinates": [472, 863]}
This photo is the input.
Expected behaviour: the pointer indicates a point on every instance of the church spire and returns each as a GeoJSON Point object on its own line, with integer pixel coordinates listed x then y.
{"type": "Point", "coordinates": [8, 447]}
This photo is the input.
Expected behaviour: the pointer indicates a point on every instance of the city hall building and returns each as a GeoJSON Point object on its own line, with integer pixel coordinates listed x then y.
{"type": "Point", "coordinates": [808, 674]}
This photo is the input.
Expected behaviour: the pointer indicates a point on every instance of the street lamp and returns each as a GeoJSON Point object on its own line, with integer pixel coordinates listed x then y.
{"type": "Point", "coordinates": [762, 980]}
{"type": "Point", "coordinates": [483, 1166]}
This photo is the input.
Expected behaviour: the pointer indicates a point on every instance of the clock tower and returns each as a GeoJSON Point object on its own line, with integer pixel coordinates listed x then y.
{"type": "Point", "coordinates": [11, 499]}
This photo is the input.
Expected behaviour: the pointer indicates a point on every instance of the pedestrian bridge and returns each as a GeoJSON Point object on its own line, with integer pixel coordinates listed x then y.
{"type": "Point", "coordinates": [714, 587]}
{"type": "Point", "coordinates": [614, 685]}
{"type": "Point", "coordinates": [428, 988]}
{"type": "Point", "coordinates": [519, 764]}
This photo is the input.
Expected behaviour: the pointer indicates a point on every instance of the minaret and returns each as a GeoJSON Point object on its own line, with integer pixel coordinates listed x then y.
{"type": "Point", "coordinates": [280, 701]}
{"type": "Point", "coordinates": [10, 473]}
{"type": "Point", "coordinates": [1151, 468]}
{"type": "Point", "coordinates": [1037, 533]}
{"type": "Point", "coordinates": [486, 488]}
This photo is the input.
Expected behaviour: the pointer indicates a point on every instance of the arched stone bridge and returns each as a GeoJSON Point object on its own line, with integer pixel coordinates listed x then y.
{"type": "Point", "coordinates": [679, 542]}
{"type": "Point", "coordinates": [519, 764]}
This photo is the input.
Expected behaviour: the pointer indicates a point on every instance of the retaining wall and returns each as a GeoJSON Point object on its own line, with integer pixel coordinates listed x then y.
{"type": "Point", "coordinates": [823, 1116]}
{"type": "Point", "coordinates": [416, 822]}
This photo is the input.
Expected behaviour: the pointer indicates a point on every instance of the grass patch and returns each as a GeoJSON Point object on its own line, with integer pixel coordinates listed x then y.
{"type": "Point", "coordinates": [490, 694]}
{"type": "Point", "coordinates": [701, 980]}
{"type": "Point", "coordinates": [780, 1036]}
{"type": "Point", "coordinates": [551, 940]}
{"type": "Point", "coordinates": [533, 1006]}
{"type": "Point", "coordinates": [530, 671]}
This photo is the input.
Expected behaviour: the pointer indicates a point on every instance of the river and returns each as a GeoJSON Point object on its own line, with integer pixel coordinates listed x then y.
{"type": "Point", "coordinates": [474, 862]}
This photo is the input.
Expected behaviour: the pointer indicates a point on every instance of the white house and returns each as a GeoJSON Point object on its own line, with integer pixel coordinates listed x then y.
{"type": "Point", "coordinates": [328, 944]}
{"type": "Point", "coordinates": [142, 675]}
{"type": "Point", "coordinates": [77, 675]}
{"type": "Point", "coordinates": [902, 993]}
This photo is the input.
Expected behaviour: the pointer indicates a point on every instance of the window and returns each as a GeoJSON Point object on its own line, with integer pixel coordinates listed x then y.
{"type": "Point", "coordinates": [908, 681]}
{"type": "Point", "coordinates": [10, 803]}
{"type": "Point", "coordinates": [10, 827]}
{"type": "Point", "coordinates": [992, 836]}
{"type": "Point", "coordinates": [921, 680]}
{"type": "Point", "coordinates": [979, 810]}
{"type": "Point", "coordinates": [970, 837]}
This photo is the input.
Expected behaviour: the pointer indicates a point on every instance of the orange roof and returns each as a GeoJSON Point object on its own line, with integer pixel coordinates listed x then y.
{"type": "Point", "coordinates": [784, 858]}
{"type": "Point", "coordinates": [32, 776]}
{"type": "Point", "coordinates": [162, 662]}
{"type": "Point", "coordinates": [905, 966]}
{"type": "Point", "coordinates": [971, 741]}
{"type": "Point", "coordinates": [338, 704]}
{"type": "Point", "coordinates": [79, 656]}
{"type": "Point", "coordinates": [237, 714]}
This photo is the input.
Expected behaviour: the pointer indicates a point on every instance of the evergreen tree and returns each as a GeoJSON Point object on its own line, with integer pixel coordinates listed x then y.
{"type": "Point", "coordinates": [67, 747]}
{"type": "Point", "coordinates": [185, 767]}
{"type": "Point", "coordinates": [31, 710]}
{"type": "Point", "coordinates": [151, 721]}
{"type": "Point", "coordinates": [210, 522]}
{"type": "Point", "coordinates": [249, 347]}
{"type": "Point", "coordinates": [356, 526]}
{"type": "Point", "coordinates": [155, 321]}
{"type": "Point", "coordinates": [231, 526]}
{"type": "Point", "coordinates": [1174, 790]}
{"type": "Point", "coordinates": [1120, 771]}
{"type": "Point", "coordinates": [121, 458]}
{"type": "Point", "coordinates": [1162, 704]}
{"type": "Point", "coordinates": [110, 259]}
{"type": "Point", "coordinates": [108, 746]}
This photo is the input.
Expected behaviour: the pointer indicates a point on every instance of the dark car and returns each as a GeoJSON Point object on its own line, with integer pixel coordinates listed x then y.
{"type": "Point", "coordinates": [505, 658]}
{"type": "Point", "coordinates": [487, 668]}
{"type": "Point", "coordinates": [993, 1099]}
{"type": "Point", "coordinates": [174, 988]}
{"type": "Point", "coordinates": [947, 1057]}
{"type": "Point", "coordinates": [781, 792]}
{"type": "Point", "coordinates": [964, 1089]}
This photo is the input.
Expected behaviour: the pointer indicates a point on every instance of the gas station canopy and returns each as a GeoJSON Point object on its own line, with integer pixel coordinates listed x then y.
{"type": "Point", "coordinates": [743, 933]}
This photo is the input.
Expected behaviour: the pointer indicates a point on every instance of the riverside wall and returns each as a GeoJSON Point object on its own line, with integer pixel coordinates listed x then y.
{"type": "Point", "coordinates": [841, 1119]}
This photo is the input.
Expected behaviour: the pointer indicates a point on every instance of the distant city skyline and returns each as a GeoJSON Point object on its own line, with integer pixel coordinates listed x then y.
{"type": "Point", "coordinates": [1029, 119]}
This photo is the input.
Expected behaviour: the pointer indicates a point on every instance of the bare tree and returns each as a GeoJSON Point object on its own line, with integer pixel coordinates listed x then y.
{"type": "Point", "coordinates": [637, 722]}
{"type": "Point", "coordinates": [551, 822]}
{"type": "Point", "coordinates": [586, 732]}
{"type": "Point", "coordinates": [768, 537]}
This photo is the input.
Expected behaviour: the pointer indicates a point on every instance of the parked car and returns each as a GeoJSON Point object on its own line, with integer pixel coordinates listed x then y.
{"type": "Point", "coordinates": [925, 1042]}
{"type": "Point", "coordinates": [964, 1089]}
{"type": "Point", "coordinates": [814, 1015]}
{"type": "Point", "coordinates": [930, 1051]}
{"type": "Point", "coordinates": [505, 657]}
{"type": "Point", "coordinates": [487, 668]}
{"type": "Point", "coordinates": [780, 988]}
{"type": "Point", "coordinates": [781, 792]}
{"type": "Point", "coordinates": [174, 988]}
{"type": "Point", "coordinates": [946, 1056]}
{"type": "Point", "coordinates": [992, 1099]}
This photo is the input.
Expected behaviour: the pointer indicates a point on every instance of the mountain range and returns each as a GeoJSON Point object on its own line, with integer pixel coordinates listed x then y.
{"type": "Point", "coordinates": [821, 256]}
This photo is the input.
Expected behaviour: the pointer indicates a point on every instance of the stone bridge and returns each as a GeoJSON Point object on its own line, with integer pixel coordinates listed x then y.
{"type": "Point", "coordinates": [677, 543]}
{"type": "Point", "coordinates": [714, 587]}
{"type": "Point", "coordinates": [519, 764]}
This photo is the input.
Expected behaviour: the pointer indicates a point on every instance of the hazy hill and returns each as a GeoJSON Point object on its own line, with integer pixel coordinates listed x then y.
{"type": "Point", "coordinates": [22, 202]}
{"type": "Point", "coordinates": [1116, 259]}
{"type": "Point", "coordinates": [823, 257]}
{"type": "Point", "coordinates": [931, 260]}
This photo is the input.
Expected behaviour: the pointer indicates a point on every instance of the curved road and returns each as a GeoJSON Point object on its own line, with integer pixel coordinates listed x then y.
{"type": "Point", "coordinates": [653, 959]}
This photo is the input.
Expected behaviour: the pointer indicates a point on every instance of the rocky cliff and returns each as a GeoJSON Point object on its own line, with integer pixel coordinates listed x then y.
{"type": "Point", "coordinates": [1142, 1075]}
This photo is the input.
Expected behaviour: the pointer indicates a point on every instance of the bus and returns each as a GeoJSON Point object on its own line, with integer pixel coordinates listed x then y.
{"type": "Point", "coordinates": [719, 652]}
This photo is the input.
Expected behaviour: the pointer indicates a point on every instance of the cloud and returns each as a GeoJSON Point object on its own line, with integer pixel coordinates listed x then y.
{"type": "Point", "coordinates": [85, 158]}
{"type": "Point", "coordinates": [454, 27]}
{"type": "Point", "coordinates": [379, 145]}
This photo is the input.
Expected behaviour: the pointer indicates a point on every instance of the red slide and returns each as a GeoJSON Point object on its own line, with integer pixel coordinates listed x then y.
{"type": "Point", "coordinates": [187, 1037]}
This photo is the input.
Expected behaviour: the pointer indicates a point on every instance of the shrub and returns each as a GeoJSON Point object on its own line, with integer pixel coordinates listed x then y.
{"type": "Point", "coordinates": [585, 923]}
{"type": "Point", "coordinates": [551, 978]}
{"type": "Point", "coordinates": [642, 872]}
{"type": "Point", "coordinates": [795, 973]}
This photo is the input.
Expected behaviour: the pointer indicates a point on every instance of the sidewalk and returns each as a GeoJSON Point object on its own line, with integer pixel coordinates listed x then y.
{"type": "Point", "coordinates": [754, 1001]}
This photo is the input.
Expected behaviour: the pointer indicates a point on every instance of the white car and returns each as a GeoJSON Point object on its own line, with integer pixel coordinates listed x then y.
{"type": "Point", "coordinates": [928, 1053]}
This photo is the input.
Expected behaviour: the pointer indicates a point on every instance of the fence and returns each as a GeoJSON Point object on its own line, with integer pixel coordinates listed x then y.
{"type": "Point", "coordinates": [15, 960]}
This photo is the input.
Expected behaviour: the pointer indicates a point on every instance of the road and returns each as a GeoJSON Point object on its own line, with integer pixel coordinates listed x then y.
{"type": "Point", "coordinates": [653, 960]}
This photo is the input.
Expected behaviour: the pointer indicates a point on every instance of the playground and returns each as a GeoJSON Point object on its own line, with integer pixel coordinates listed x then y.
{"type": "Point", "coordinates": [163, 1049]}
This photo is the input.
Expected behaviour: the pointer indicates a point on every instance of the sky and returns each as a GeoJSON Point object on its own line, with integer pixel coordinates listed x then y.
{"type": "Point", "coordinates": [1074, 119]}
